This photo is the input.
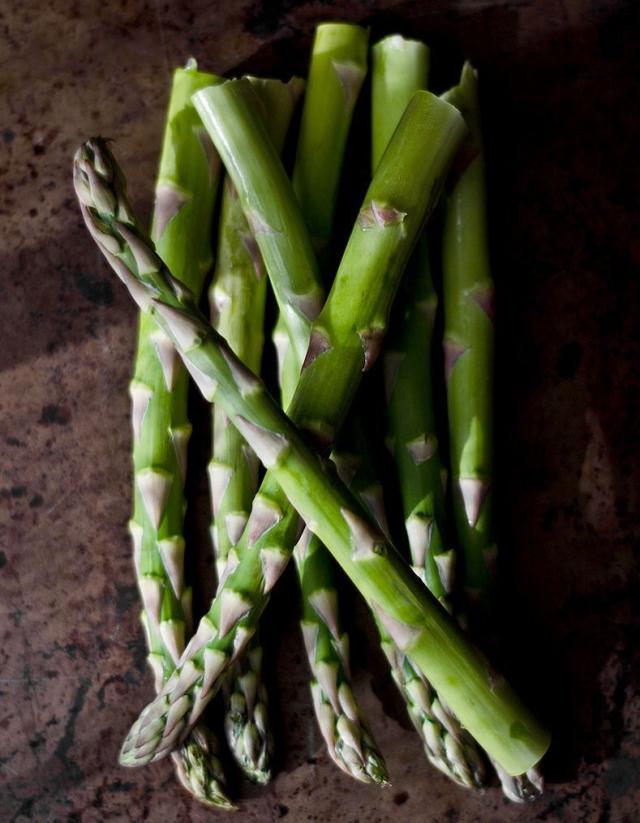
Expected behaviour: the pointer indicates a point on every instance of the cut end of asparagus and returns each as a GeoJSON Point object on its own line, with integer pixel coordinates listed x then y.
{"type": "Point", "coordinates": [331, 37]}
{"type": "Point", "coordinates": [400, 67]}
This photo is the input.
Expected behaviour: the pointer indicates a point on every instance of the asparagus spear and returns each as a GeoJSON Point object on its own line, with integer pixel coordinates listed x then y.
{"type": "Point", "coordinates": [400, 67]}
{"type": "Point", "coordinates": [265, 195]}
{"type": "Point", "coordinates": [232, 119]}
{"type": "Point", "coordinates": [482, 699]}
{"type": "Point", "coordinates": [236, 298]}
{"type": "Point", "coordinates": [336, 74]}
{"type": "Point", "coordinates": [412, 434]}
{"type": "Point", "coordinates": [446, 750]}
{"type": "Point", "coordinates": [185, 193]}
{"type": "Point", "coordinates": [337, 71]}
{"type": "Point", "coordinates": [229, 118]}
{"type": "Point", "coordinates": [447, 746]}
{"type": "Point", "coordinates": [468, 345]}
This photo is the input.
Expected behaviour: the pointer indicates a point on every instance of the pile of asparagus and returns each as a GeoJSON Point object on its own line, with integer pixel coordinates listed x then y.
{"type": "Point", "coordinates": [319, 499]}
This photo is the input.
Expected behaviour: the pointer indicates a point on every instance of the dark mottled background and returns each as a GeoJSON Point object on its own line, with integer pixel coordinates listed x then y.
{"type": "Point", "coordinates": [560, 88]}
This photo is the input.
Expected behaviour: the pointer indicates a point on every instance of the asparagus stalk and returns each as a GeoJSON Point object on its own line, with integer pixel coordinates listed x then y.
{"type": "Point", "coordinates": [446, 750]}
{"type": "Point", "coordinates": [342, 724]}
{"type": "Point", "coordinates": [228, 119]}
{"type": "Point", "coordinates": [400, 67]}
{"type": "Point", "coordinates": [468, 346]}
{"type": "Point", "coordinates": [412, 434]}
{"type": "Point", "coordinates": [337, 71]}
{"type": "Point", "coordinates": [185, 194]}
{"type": "Point", "coordinates": [265, 194]}
{"type": "Point", "coordinates": [447, 745]}
{"type": "Point", "coordinates": [482, 699]}
{"type": "Point", "coordinates": [237, 298]}
{"type": "Point", "coordinates": [336, 74]}
{"type": "Point", "coordinates": [420, 472]}
{"type": "Point", "coordinates": [267, 198]}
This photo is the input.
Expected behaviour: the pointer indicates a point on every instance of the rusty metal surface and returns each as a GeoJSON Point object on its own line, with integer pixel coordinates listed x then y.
{"type": "Point", "coordinates": [562, 137]}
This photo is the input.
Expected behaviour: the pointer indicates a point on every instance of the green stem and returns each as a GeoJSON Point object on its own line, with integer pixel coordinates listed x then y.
{"type": "Point", "coordinates": [400, 67]}
{"type": "Point", "coordinates": [447, 745]}
{"type": "Point", "coordinates": [412, 433]}
{"type": "Point", "coordinates": [468, 344]}
{"type": "Point", "coordinates": [468, 341]}
{"type": "Point", "coordinates": [336, 74]}
{"type": "Point", "coordinates": [185, 194]}
{"type": "Point", "coordinates": [338, 67]}
{"type": "Point", "coordinates": [237, 299]}
{"type": "Point", "coordinates": [230, 112]}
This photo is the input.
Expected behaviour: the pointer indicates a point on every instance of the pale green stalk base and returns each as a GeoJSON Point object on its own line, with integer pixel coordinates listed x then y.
{"type": "Point", "coordinates": [232, 118]}
{"type": "Point", "coordinates": [336, 74]}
